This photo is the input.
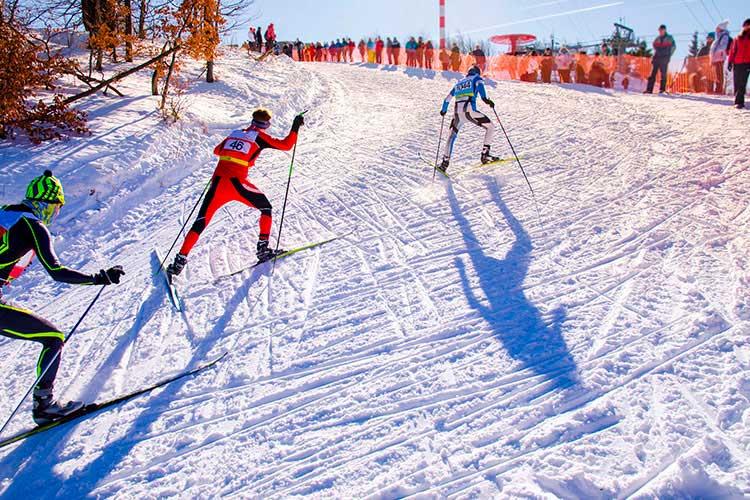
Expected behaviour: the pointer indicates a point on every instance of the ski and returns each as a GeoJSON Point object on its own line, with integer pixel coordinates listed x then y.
{"type": "Point", "coordinates": [467, 169]}
{"type": "Point", "coordinates": [432, 164]}
{"type": "Point", "coordinates": [97, 407]}
{"type": "Point", "coordinates": [281, 256]}
{"type": "Point", "coordinates": [488, 164]}
{"type": "Point", "coordinates": [174, 297]}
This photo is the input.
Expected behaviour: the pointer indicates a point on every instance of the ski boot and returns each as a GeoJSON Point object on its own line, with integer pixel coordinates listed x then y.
{"type": "Point", "coordinates": [443, 167]}
{"type": "Point", "coordinates": [47, 410]}
{"type": "Point", "coordinates": [265, 254]}
{"type": "Point", "coordinates": [176, 267]}
{"type": "Point", "coordinates": [486, 156]}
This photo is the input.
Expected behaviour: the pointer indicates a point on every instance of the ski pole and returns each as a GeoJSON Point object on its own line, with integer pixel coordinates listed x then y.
{"type": "Point", "coordinates": [286, 195]}
{"type": "Point", "coordinates": [166, 256]}
{"type": "Point", "coordinates": [437, 153]}
{"type": "Point", "coordinates": [54, 358]}
{"type": "Point", "coordinates": [519, 162]}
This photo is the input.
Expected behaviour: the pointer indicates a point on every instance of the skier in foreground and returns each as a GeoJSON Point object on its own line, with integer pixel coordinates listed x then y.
{"type": "Point", "coordinates": [24, 229]}
{"type": "Point", "coordinates": [466, 92]}
{"type": "Point", "coordinates": [237, 154]}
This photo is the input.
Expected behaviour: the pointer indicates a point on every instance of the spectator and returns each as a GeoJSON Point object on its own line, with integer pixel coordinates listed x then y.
{"type": "Point", "coordinates": [270, 37]}
{"type": "Point", "coordinates": [479, 58]}
{"type": "Point", "coordinates": [598, 75]}
{"type": "Point", "coordinates": [259, 39]}
{"type": "Point", "coordinates": [429, 54]}
{"type": "Point", "coordinates": [664, 47]}
{"type": "Point", "coordinates": [564, 64]}
{"type": "Point", "coordinates": [455, 58]}
{"type": "Point", "coordinates": [706, 49]}
{"type": "Point", "coordinates": [350, 49]}
{"type": "Point", "coordinates": [605, 50]}
{"type": "Point", "coordinates": [719, 53]}
{"type": "Point", "coordinates": [445, 60]}
{"type": "Point", "coordinates": [362, 49]}
{"type": "Point", "coordinates": [420, 52]}
{"type": "Point", "coordinates": [370, 51]}
{"type": "Point", "coordinates": [298, 44]}
{"type": "Point", "coordinates": [532, 68]}
{"type": "Point", "coordinates": [547, 66]}
{"type": "Point", "coordinates": [739, 60]}
{"type": "Point", "coordinates": [332, 51]}
{"type": "Point", "coordinates": [411, 52]}
{"type": "Point", "coordinates": [287, 50]}
{"type": "Point", "coordinates": [389, 50]}
{"type": "Point", "coordinates": [396, 50]}
{"type": "Point", "coordinates": [379, 46]}
{"type": "Point", "coordinates": [580, 68]}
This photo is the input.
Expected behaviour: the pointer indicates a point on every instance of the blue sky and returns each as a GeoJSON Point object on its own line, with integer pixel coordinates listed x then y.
{"type": "Point", "coordinates": [569, 20]}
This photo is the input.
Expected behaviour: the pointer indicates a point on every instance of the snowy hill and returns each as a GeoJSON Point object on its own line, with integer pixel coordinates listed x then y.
{"type": "Point", "coordinates": [454, 344]}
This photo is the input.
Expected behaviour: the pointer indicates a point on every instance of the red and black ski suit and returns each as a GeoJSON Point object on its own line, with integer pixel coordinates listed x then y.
{"type": "Point", "coordinates": [237, 154]}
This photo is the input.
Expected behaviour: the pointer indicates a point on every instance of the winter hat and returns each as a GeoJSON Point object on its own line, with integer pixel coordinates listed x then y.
{"type": "Point", "coordinates": [711, 35]}
{"type": "Point", "coordinates": [722, 26]}
{"type": "Point", "coordinates": [46, 188]}
{"type": "Point", "coordinates": [663, 27]}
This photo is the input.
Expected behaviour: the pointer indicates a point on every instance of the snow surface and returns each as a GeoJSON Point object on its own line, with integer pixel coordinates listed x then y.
{"type": "Point", "coordinates": [454, 345]}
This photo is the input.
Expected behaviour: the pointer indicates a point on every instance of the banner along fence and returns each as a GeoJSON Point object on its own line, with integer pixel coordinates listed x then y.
{"type": "Point", "coordinates": [625, 72]}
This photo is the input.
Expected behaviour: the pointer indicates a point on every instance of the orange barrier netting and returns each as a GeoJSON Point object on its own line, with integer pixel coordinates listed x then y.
{"type": "Point", "coordinates": [697, 74]}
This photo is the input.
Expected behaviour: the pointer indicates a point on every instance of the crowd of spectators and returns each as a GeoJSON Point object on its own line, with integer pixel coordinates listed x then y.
{"type": "Point", "coordinates": [720, 52]}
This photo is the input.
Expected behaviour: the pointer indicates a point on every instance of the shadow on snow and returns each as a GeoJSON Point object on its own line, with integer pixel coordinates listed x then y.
{"type": "Point", "coordinates": [513, 318]}
{"type": "Point", "coordinates": [31, 466]}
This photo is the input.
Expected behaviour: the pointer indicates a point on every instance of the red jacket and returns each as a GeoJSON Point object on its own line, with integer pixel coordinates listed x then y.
{"type": "Point", "coordinates": [237, 153]}
{"type": "Point", "coordinates": [740, 51]}
{"type": "Point", "coordinates": [379, 45]}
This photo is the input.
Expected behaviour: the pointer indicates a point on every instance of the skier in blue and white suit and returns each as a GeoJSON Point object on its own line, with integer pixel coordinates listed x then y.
{"type": "Point", "coordinates": [466, 92]}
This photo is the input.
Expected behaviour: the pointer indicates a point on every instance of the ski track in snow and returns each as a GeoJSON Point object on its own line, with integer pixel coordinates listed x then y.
{"type": "Point", "coordinates": [453, 345]}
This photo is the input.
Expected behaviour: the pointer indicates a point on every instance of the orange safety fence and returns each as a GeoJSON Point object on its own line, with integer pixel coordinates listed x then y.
{"type": "Point", "coordinates": [627, 71]}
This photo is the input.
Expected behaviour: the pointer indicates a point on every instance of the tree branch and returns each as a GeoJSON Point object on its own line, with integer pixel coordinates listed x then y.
{"type": "Point", "coordinates": [119, 76]}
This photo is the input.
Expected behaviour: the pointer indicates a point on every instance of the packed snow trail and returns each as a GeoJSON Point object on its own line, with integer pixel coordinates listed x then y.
{"type": "Point", "coordinates": [452, 345]}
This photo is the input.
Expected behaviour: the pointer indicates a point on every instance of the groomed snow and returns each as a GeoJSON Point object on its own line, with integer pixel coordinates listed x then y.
{"type": "Point", "coordinates": [455, 344]}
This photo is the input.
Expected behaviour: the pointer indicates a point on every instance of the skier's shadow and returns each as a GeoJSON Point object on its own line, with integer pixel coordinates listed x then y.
{"type": "Point", "coordinates": [512, 317]}
{"type": "Point", "coordinates": [33, 472]}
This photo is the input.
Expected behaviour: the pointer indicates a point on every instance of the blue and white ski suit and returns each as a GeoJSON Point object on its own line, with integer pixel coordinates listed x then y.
{"type": "Point", "coordinates": [466, 92]}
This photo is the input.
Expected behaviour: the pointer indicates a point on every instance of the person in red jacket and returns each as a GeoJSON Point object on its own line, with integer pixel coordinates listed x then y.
{"type": "Point", "coordinates": [237, 154]}
{"type": "Point", "coordinates": [739, 60]}
{"type": "Point", "coordinates": [379, 45]}
{"type": "Point", "coordinates": [350, 50]}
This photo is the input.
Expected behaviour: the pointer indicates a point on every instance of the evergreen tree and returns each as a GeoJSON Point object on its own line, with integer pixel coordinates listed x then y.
{"type": "Point", "coordinates": [694, 46]}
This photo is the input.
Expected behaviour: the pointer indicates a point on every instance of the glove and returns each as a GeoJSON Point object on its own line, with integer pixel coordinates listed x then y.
{"type": "Point", "coordinates": [109, 276]}
{"type": "Point", "coordinates": [730, 66]}
{"type": "Point", "coordinates": [489, 103]}
{"type": "Point", "coordinates": [442, 112]}
{"type": "Point", "coordinates": [299, 120]}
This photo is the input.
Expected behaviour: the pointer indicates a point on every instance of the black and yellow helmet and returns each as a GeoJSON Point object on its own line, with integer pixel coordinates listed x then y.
{"type": "Point", "coordinates": [46, 188]}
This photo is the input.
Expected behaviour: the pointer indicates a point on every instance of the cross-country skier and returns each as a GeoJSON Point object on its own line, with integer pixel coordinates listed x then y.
{"type": "Point", "coordinates": [237, 154]}
{"type": "Point", "coordinates": [23, 228]}
{"type": "Point", "coordinates": [466, 92]}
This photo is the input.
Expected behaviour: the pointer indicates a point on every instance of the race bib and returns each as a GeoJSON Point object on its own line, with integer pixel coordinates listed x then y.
{"type": "Point", "coordinates": [240, 141]}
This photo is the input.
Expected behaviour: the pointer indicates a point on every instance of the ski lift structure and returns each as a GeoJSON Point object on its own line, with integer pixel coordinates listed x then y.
{"type": "Point", "coordinates": [514, 40]}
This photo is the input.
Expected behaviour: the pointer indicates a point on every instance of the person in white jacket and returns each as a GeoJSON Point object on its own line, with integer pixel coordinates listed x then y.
{"type": "Point", "coordinates": [719, 53]}
{"type": "Point", "coordinates": [564, 64]}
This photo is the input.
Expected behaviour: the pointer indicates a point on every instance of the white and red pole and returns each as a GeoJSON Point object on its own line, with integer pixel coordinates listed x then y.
{"type": "Point", "coordinates": [442, 24]}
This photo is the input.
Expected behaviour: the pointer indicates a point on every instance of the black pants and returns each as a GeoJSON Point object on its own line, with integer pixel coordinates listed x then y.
{"type": "Point", "coordinates": [659, 65]}
{"type": "Point", "coordinates": [24, 325]}
{"type": "Point", "coordinates": [741, 74]}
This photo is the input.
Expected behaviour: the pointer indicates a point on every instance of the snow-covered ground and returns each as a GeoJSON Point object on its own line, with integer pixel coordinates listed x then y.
{"type": "Point", "coordinates": [454, 344]}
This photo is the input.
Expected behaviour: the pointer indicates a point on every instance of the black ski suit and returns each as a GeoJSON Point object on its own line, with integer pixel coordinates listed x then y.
{"type": "Point", "coordinates": [26, 233]}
